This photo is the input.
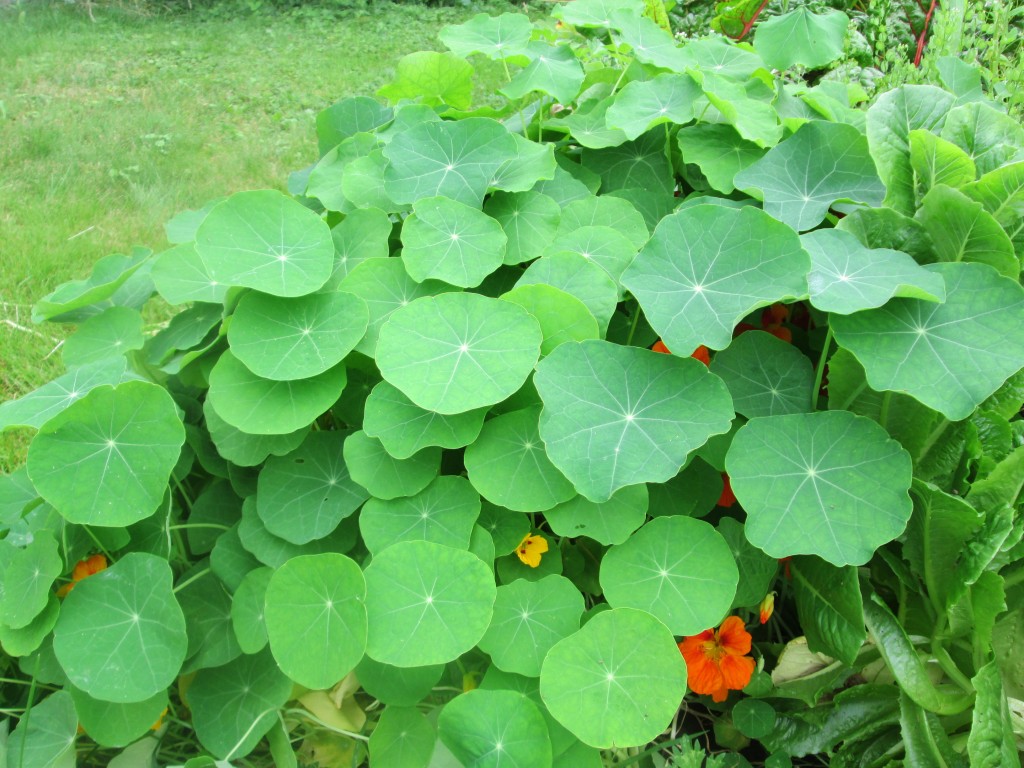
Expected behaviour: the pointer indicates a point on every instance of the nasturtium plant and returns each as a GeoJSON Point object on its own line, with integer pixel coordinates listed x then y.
{"type": "Point", "coordinates": [447, 455]}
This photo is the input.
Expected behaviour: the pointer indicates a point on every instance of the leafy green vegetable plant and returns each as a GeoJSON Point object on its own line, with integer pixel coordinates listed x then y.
{"type": "Point", "coordinates": [405, 480]}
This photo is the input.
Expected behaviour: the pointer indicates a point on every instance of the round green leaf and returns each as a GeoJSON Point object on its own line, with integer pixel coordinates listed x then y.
{"type": "Point", "coordinates": [578, 277]}
{"type": "Point", "coordinates": [446, 240]}
{"type": "Point", "coordinates": [846, 277]}
{"type": "Point", "coordinates": [181, 275]}
{"type": "Point", "coordinates": [496, 37]}
{"type": "Point", "coordinates": [244, 449]}
{"type": "Point", "coordinates": [206, 605]}
{"type": "Point", "coordinates": [719, 151]}
{"type": "Point", "coordinates": [950, 356]}
{"type": "Point", "coordinates": [384, 476]}
{"type": "Point", "coordinates": [275, 552]}
{"type": "Point", "coordinates": [811, 40]}
{"type": "Point", "coordinates": [495, 729]}
{"type": "Point", "coordinates": [505, 527]}
{"type": "Point", "coordinates": [285, 339]}
{"type": "Point", "coordinates": [117, 725]}
{"type": "Point", "coordinates": [235, 705]}
{"type": "Point", "coordinates": [456, 352]}
{"type": "Point", "coordinates": [529, 618]}
{"type": "Point", "coordinates": [316, 621]}
{"type": "Point", "coordinates": [608, 522]}
{"type": "Point", "coordinates": [753, 718]}
{"type": "Point", "coordinates": [605, 211]}
{"type": "Point", "coordinates": [616, 416]}
{"type": "Point", "coordinates": [588, 125]}
{"type": "Point", "coordinates": [641, 163]}
{"type": "Point", "coordinates": [594, 13]}
{"type": "Point", "coordinates": [25, 640]}
{"type": "Point", "coordinates": [40, 405]}
{"type": "Point", "coordinates": [707, 267]}
{"type": "Point", "coordinates": [509, 467]}
{"type": "Point", "coordinates": [765, 375]}
{"type": "Point", "coordinates": [617, 682]}
{"type": "Point", "coordinates": [247, 610]}
{"type": "Point", "coordinates": [426, 603]}
{"type": "Point", "coordinates": [28, 574]}
{"type": "Point", "coordinates": [821, 164]}
{"type": "Point", "coordinates": [362, 235]}
{"type": "Point", "coordinates": [642, 104]}
{"type": "Point", "coordinates": [444, 512]}
{"type": "Point", "coordinates": [385, 286]}
{"type": "Point", "coordinates": [121, 634]}
{"type": "Point", "coordinates": [604, 246]}
{"type": "Point", "coordinates": [456, 159]}
{"type": "Point", "coordinates": [553, 69]}
{"type": "Point", "coordinates": [402, 738]}
{"type": "Point", "coordinates": [114, 332]}
{"type": "Point", "coordinates": [404, 428]}
{"type": "Point", "coordinates": [304, 495]}
{"type": "Point", "coordinates": [47, 738]}
{"type": "Point", "coordinates": [398, 686]}
{"type": "Point", "coordinates": [267, 241]}
{"type": "Point", "coordinates": [678, 569]}
{"type": "Point", "coordinates": [261, 406]}
{"type": "Point", "coordinates": [106, 459]}
{"type": "Point", "coordinates": [529, 220]}
{"type": "Point", "coordinates": [435, 78]}
{"type": "Point", "coordinates": [562, 317]}
{"type": "Point", "coordinates": [829, 483]}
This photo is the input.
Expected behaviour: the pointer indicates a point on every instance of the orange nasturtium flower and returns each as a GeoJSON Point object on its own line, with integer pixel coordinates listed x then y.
{"type": "Point", "coordinates": [83, 568]}
{"type": "Point", "coordinates": [701, 353]}
{"type": "Point", "coordinates": [531, 548]}
{"type": "Point", "coordinates": [717, 661]}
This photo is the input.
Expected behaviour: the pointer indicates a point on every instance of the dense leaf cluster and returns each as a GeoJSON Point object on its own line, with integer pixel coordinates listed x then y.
{"type": "Point", "coordinates": [313, 484]}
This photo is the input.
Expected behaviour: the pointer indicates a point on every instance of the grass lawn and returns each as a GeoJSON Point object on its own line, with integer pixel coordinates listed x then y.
{"type": "Point", "coordinates": [108, 128]}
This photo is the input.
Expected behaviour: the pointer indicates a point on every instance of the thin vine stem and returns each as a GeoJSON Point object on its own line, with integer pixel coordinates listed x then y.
{"type": "Point", "coordinates": [820, 371]}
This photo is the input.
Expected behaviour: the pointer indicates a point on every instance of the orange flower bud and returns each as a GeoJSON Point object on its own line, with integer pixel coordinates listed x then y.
{"type": "Point", "coordinates": [767, 607]}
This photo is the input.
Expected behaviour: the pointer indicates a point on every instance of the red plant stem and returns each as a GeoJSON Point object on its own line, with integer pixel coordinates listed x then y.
{"type": "Point", "coordinates": [924, 33]}
{"type": "Point", "coordinates": [749, 23]}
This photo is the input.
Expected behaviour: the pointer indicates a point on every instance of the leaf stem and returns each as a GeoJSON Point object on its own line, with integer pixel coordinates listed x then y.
{"type": "Point", "coordinates": [883, 412]}
{"type": "Point", "coordinates": [632, 325]}
{"type": "Point", "coordinates": [310, 716]}
{"type": "Point", "coordinates": [28, 712]}
{"type": "Point", "coordinates": [820, 371]}
{"type": "Point", "coordinates": [190, 579]}
{"type": "Point", "coordinates": [110, 558]}
{"type": "Point", "coordinates": [185, 526]}
{"type": "Point", "coordinates": [949, 666]}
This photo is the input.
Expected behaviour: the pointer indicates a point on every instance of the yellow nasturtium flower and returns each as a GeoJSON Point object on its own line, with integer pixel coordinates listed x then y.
{"type": "Point", "coordinates": [531, 548]}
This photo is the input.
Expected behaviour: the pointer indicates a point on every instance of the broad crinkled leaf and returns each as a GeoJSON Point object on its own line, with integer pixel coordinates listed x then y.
{"type": "Point", "coordinates": [615, 416]}
{"type": "Point", "coordinates": [436, 78]}
{"type": "Point", "coordinates": [447, 159]}
{"type": "Point", "coordinates": [508, 465]}
{"type": "Point", "coordinates": [261, 406]}
{"type": "Point", "coordinates": [284, 339]}
{"type": "Point", "coordinates": [962, 230]}
{"type": "Point", "coordinates": [800, 37]}
{"type": "Point", "coordinates": [553, 69]}
{"type": "Point", "coordinates": [719, 151]}
{"type": "Point", "coordinates": [458, 351]}
{"type": "Point", "coordinates": [676, 568]}
{"type": "Point", "coordinates": [452, 242]}
{"type": "Point", "coordinates": [890, 120]}
{"type": "Point", "coordinates": [617, 682]}
{"type": "Point", "coordinates": [828, 483]}
{"type": "Point", "coordinates": [765, 375]}
{"type": "Point", "coordinates": [950, 356]}
{"type": "Point", "coordinates": [830, 607]}
{"type": "Point", "coordinates": [846, 277]}
{"type": "Point", "coordinates": [496, 37]}
{"type": "Point", "coordinates": [707, 267]}
{"type": "Point", "coordinates": [819, 165]}
{"type": "Point", "coordinates": [937, 161]}
{"type": "Point", "coordinates": [992, 138]}
{"type": "Point", "coordinates": [121, 633]}
{"type": "Point", "coordinates": [426, 603]}
{"type": "Point", "coordinates": [106, 459]}
{"type": "Point", "coordinates": [1002, 193]}
{"type": "Point", "coordinates": [267, 241]}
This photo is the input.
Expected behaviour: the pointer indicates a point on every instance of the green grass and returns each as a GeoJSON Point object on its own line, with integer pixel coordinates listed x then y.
{"type": "Point", "coordinates": [107, 129]}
